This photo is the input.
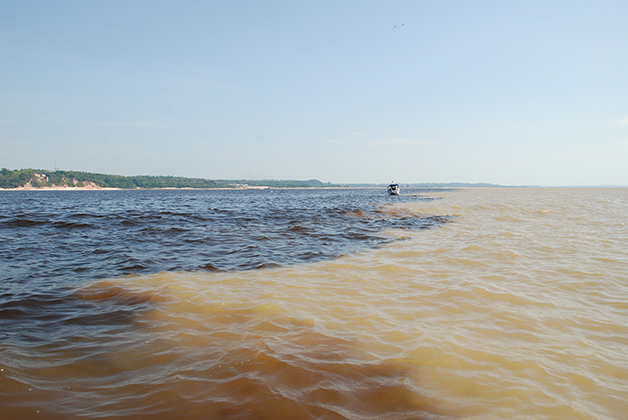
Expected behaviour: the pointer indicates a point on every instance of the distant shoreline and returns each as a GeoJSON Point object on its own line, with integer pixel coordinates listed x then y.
{"type": "Point", "coordinates": [59, 180]}
{"type": "Point", "coordinates": [347, 187]}
{"type": "Point", "coordinates": [444, 187]}
{"type": "Point", "coordinates": [182, 188]}
{"type": "Point", "coordinates": [91, 188]}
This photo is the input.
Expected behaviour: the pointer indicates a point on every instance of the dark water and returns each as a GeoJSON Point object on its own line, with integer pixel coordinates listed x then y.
{"type": "Point", "coordinates": [70, 236]}
{"type": "Point", "coordinates": [55, 241]}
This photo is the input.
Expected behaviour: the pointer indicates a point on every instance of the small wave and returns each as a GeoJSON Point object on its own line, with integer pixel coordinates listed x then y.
{"type": "Point", "coordinates": [72, 225]}
{"type": "Point", "coordinates": [106, 293]}
{"type": "Point", "coordinates": [22, 222]}
{"type": "Point", "coordinates": [295, 227]}
{"type": "Point", "coordinates": [131, 222]}
{"type": "Point", "coordinates": [210, 267]}
{"type": "Point", "coordinates": [41, 317]}
{"type": "Point", "coordinates": [264, 266]}
{"type": "Point", "coordinates": [134, 268]}
{"type": "Point", "coordinates": [101, 251]}
{"type": "Point", "coordinates": [359, 214]}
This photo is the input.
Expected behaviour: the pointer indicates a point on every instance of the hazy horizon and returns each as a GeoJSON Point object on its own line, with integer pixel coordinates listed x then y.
{"type": "Point", "coordinates": [402, 183]}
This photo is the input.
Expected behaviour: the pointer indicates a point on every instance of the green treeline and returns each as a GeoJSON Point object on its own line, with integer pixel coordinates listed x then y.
{"type": "Point", "coordinates": [41, 178]}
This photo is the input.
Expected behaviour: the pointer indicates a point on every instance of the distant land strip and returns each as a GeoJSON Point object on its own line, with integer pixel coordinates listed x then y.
{"type": "Point", "coordinates": [29, 179]}
{"type": "Point", "coordinates": [35, 178]}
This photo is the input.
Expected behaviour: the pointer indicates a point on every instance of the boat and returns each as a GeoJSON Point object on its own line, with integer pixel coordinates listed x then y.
{"type": "Point", "coordinates": [393, 189]}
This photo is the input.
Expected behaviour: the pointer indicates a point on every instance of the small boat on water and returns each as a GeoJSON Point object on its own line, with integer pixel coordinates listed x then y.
{"type": "Point", "coordinates": [393, 189]}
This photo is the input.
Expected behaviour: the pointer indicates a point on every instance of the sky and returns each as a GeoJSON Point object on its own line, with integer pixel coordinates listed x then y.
{"type": "Point", "coordinates": [504, 92]}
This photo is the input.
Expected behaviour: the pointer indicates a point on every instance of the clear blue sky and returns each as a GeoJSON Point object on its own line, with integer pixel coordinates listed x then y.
{"type": "Point", "coordinates": [507, 92]}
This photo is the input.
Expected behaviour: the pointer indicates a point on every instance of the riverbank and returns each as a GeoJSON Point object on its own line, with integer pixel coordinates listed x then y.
{"type": "Point", "coordinates": [85, 188]}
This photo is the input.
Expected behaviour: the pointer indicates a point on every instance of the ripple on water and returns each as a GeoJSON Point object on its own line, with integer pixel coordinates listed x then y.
{"type": "Point", "coordinates": [163, 351]}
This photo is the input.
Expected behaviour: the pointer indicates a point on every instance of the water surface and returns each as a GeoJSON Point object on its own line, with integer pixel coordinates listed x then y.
{"type": "Point", "coordinates": [466, 304]}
